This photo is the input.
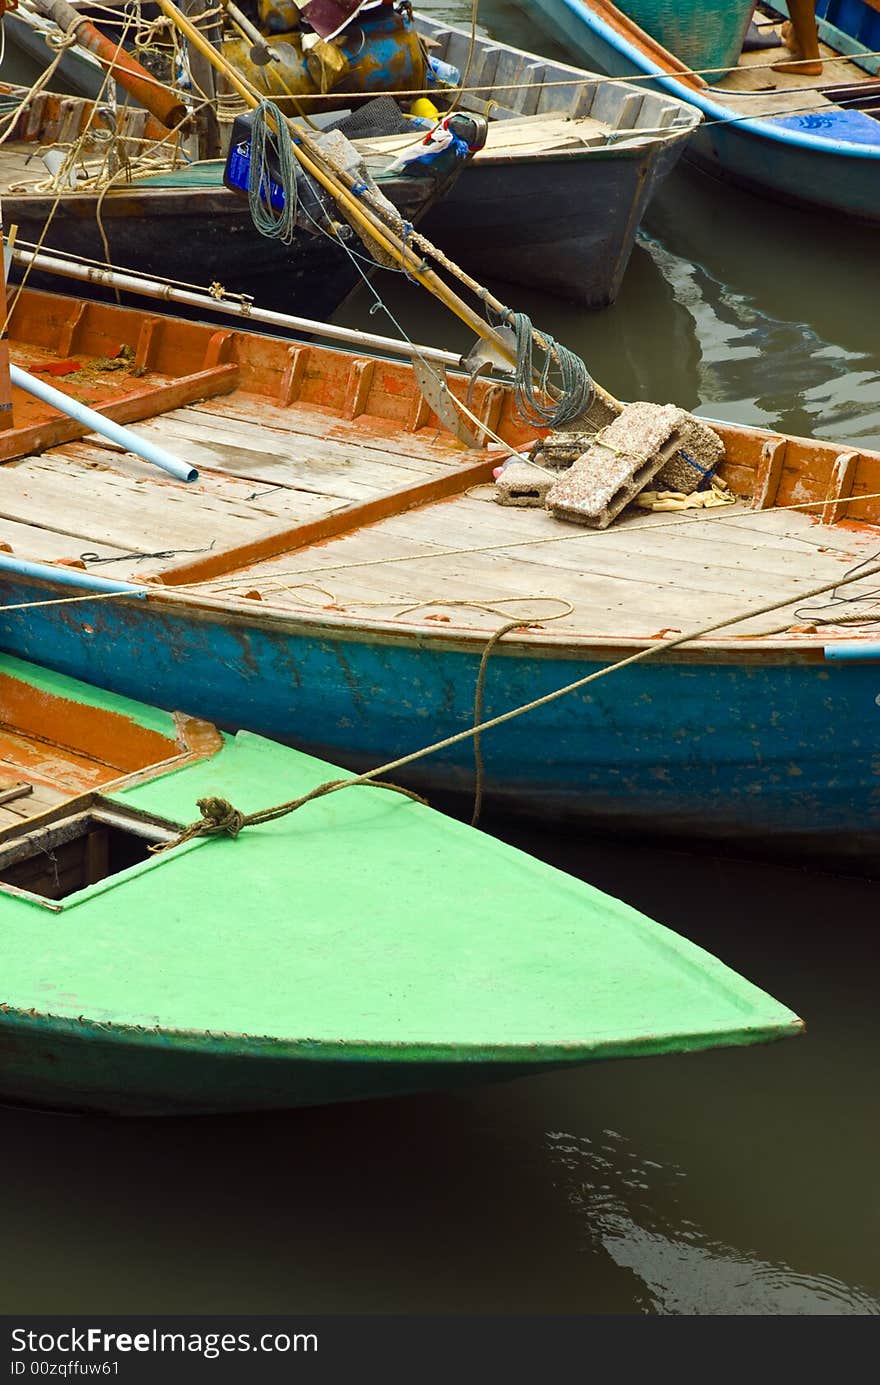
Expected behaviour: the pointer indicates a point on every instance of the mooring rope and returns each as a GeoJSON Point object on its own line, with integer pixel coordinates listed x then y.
{"type": "Point", "coordinates": [220, 816]}
{"type": "Point", "coordinates": [108, 74]}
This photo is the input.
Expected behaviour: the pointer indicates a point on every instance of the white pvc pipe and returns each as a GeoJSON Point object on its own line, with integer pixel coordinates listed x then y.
{"type": "Point", "coordinates": [99, 423]}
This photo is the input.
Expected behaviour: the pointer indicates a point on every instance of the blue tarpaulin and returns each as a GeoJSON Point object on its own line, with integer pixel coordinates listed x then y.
{"type": "Point", "coordinates": [852, 126]}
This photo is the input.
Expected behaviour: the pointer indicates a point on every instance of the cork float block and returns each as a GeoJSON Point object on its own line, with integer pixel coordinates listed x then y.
{"type": "Point", "coordinates": [700, 451]}
{"type": "Point", "coordinates": [523, 485]}
{"type": "Point", "coordinates": [619, 463]}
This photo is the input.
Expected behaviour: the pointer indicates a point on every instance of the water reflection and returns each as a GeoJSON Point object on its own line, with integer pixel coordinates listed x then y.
{"type": "Point", "coordinates": [748, 310]}
{"type": "Point", "coordinates": [630, 1207]}
{"type": "Point", "coordinates": [756, 367]}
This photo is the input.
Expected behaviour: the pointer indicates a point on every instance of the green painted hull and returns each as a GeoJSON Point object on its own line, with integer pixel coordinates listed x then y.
{"type": "Point", "coordinates": [45, 1066]}
{"type": "Point", "coordinates": [364, 946]}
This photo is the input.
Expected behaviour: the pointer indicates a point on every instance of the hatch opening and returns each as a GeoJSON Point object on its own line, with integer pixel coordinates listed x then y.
{"type": "Point", "coordinates": [79, 849]}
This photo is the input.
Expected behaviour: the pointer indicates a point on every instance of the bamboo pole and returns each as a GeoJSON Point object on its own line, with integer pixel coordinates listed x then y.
{"type": "Point", "coordinates": [338, 183]}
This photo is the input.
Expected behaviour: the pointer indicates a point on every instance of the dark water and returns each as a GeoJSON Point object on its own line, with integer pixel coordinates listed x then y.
{"type": "Point", "coordinates": [741, 1182]}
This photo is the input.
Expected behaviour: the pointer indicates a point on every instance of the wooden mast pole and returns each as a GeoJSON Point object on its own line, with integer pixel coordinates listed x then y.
{"type": "Point", "coordinates": [387, 239]}
{"type": "Point", "coordinates": [7, 419]}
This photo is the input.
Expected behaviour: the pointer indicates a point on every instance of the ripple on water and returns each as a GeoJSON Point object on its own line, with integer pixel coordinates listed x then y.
{"type": "Point", "coordinates": [765, 369]}
{"type": "Point", "coordinates": [683, 1270]}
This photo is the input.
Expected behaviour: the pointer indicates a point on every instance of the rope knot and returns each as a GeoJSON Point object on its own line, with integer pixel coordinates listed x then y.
{"type": "Point", "coordinates": [218, 815]}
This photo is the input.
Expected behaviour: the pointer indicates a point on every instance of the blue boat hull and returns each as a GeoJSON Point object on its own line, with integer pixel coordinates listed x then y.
{"type": "Point", "coordinates": [775, 749]}
{"type": "Point", "coordinates": [788, 165]}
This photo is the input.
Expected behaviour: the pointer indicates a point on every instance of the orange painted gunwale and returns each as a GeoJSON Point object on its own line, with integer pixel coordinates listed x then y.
{"type": "Point", "coordinates": [387, 401]}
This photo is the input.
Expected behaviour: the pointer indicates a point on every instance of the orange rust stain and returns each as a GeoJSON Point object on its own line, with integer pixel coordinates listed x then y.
{"type": "Point", "coordinates": [197, 737]}
{"type": "Point", "coordinates": [37, 762]}
{"type": "Point", "coordinates": [85, 733]}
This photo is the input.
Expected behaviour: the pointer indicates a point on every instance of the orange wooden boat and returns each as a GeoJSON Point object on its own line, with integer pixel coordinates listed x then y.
{"type": "Point", "coordinates": [336, 572]}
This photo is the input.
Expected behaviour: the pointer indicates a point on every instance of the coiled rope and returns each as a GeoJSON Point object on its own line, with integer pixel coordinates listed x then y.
{"type": "Point", "coordinates": [272, 145]}
{"type": "Point", "coordinates": [573, 384]}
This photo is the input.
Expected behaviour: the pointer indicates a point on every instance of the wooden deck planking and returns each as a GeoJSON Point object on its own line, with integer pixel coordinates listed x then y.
{"type": "Point", "coordinates": [46, 545]}
{"type": "Point", "coordinates": [604, 600]}
{"type": "Point", "coordinates": [630, 580]}
{"type": "Point", "coordinates": [541, 134]}
{"type": "Point", "coordinates": [745, 538]}
{"type": "Point", "coordinates": [246, 496]}
{"type": "Point", "coordinates": [300, 462]}
{"type": "Point", "coordinates": [107, 506]}
{"type": "Point", "coordinates": [21, 810]}
{"type": "Point", "coordinates": [464, 600]}
{"type": "Point", "coordinates": [701, 555]}
{"type": "Point", "coordinates": [760, 91]}
{"type": "Point", "coordinates": [380, 438]}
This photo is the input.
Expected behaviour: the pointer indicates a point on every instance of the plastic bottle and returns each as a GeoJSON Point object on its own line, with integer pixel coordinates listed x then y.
{"type": "Point", "coordinates": [442, 74]}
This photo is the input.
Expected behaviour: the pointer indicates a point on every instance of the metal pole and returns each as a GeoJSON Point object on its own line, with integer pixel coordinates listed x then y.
{"type": "Point", "coordinates": [168, 293]}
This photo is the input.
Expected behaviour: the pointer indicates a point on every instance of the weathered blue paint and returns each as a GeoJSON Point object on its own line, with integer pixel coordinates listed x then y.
{"type": "Point", "coordinates": [849, 26]}
{"type": "Point", "coordinates": [772, 749]}
{"type": "Point", "coordinates": [793, 165]}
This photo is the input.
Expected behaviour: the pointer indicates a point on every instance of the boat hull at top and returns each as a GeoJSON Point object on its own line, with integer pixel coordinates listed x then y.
{"type": "Point", "coordinates": [788, 165]}
{"type": "Point", "coordinates": [560, 226]}
{"type": "Point", "coordinates": [562, 222]}
{"type": "Point", "coordinates": [202, 231]}
{"type": "Point", "coordinates": [557, 211]}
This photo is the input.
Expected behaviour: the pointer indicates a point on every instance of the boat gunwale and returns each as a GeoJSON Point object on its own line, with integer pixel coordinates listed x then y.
{"type": "Point", "coordinates": [685, 110]}
{"type": "Point", "coordinates": [746, 649]}
{"type": "Point", "coordinates": [633, 147]}
{"type": "Point", "coordinates": [629, 48]}
{"type": "Point", "coordinates": [457, 1052]}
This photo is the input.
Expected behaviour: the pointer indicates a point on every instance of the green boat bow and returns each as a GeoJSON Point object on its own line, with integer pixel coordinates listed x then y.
{"type": "Point", "coordinates": [363, 946]}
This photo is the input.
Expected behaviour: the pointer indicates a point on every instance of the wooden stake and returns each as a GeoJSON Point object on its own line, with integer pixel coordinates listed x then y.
{"type": "Point", "coordinates": [7, 419]}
